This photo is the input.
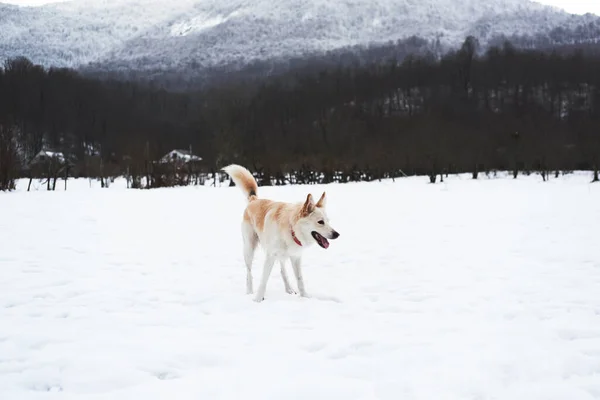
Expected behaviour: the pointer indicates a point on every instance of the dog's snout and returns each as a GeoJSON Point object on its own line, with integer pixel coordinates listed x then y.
{"type": "Point", "coordinates": [335, 235]}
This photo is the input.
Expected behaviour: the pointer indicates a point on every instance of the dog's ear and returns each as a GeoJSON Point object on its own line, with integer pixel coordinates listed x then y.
{"type": "Point", "coordinates": [309, 205]}
{"type": "Point", "coordinates": [322, 201]}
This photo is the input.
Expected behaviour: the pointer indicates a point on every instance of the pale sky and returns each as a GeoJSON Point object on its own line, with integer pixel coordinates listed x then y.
{"type": "Point", "coordinates": [575, 6]}
{"type": "Point", "coordinates": [572, 6]}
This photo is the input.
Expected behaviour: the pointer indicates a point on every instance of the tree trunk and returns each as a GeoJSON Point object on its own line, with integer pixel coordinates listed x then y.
{"type": "Point", "coordinates": [147, 156]}
{"type": "Point", "coordinates": [102, 185]}
{"type": "Point", "coordinates": [433, 173]}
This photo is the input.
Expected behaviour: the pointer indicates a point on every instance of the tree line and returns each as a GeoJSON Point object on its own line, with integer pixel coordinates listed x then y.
{"type": "Point", "coordinates": [465, 111]}
{"type": "Point", "coordinates": [193, 76]}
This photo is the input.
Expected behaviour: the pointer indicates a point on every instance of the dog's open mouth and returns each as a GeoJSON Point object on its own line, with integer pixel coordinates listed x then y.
{"type": "Point", "coordinates": [324, 243]}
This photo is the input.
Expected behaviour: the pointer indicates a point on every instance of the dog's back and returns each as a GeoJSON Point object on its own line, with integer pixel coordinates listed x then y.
{"type": "Point", "coordinates": [258, 210]}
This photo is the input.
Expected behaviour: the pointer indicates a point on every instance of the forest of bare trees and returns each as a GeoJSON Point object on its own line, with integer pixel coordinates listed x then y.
{"type": "Point", "coordinates": [507, 109]}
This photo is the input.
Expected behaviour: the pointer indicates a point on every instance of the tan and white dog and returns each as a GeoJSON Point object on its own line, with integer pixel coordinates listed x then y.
{"type": "Point", "coordinates": [284, 230]}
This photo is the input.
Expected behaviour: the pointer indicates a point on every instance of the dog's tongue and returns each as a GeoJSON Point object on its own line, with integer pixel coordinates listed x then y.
{"type": "Point", "coordinates": [324, 242]}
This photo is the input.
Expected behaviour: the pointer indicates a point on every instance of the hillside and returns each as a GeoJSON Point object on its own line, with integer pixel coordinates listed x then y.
{"type": "Point", "coordinates": [191, 34]}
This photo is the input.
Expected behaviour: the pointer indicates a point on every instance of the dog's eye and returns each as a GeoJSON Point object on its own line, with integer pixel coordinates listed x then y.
{"type": "Point", "coordinates": [321, 222]}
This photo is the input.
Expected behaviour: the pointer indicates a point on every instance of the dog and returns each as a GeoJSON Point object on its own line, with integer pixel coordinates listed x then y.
{"type": "Point", "coordinates": [284, 230]}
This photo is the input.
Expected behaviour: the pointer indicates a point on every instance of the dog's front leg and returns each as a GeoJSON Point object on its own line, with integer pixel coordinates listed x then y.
{"type": "Point", "coordinates": [296, 265]}
{"type": "Point", "coordinates": [286, 281]}
{"type": "Point", "coordinates": [268, 266]}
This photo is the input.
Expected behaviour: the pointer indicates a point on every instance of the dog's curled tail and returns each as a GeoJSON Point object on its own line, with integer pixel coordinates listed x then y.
{"type": "Point", "coordinates": [243, 179]}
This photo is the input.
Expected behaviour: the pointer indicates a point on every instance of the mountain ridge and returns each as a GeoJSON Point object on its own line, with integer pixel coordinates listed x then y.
{"type": "Point", "coordinates": [161, 35]}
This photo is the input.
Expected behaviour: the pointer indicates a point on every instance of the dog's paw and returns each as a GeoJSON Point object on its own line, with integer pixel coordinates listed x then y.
{"type": "Point", "coordinates": [258, 299]}
{"type": "Point", "coordinates": [290, 291]}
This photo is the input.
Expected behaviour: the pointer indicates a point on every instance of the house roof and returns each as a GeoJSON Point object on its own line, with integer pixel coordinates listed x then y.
{"type": "Point", "coordinates": [184, 155]}
{"type": "Point", "coordinates": [50, 154]}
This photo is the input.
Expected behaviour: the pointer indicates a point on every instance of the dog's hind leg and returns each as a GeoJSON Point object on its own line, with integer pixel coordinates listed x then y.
{"type": "Point", "coordinates": [286, 281]}
{"type": "Point", "coordinates": [267, 268]}
{"type": "Point", "coordinates": [250, 242]}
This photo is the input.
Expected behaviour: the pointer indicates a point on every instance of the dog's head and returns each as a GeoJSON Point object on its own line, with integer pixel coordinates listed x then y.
{"type": "Point", "coordinates": [314, 222]}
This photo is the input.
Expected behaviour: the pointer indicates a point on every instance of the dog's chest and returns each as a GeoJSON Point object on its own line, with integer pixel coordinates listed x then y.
{"type": "Point", "coordinates": [281, 249]}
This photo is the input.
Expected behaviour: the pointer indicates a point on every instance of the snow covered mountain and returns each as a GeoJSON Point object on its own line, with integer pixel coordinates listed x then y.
{"type": "Point", "coordinates": [166, 34]}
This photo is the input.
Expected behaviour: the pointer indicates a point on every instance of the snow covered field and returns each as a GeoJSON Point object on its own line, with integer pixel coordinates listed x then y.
{"type": "Point", "coordinates": [482, 290]}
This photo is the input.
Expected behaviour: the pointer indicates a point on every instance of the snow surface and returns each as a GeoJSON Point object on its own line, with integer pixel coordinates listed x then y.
{"type": "Point", "coordinates": [484, 289]}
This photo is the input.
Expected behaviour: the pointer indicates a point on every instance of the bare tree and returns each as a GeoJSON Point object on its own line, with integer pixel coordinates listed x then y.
{"type": "Point", "coordinates": [9, 158]}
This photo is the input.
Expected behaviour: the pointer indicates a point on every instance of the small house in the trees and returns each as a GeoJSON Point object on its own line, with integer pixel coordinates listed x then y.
{"type": "Point", "coordinates": [47, 156]}
{"type": "Point", "coordinates": [50, 165]}
{"type": "Point", "coordinates": [176, 168]}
